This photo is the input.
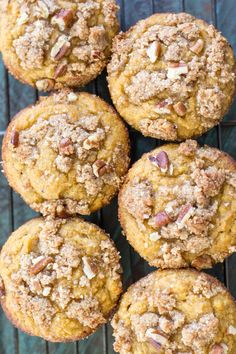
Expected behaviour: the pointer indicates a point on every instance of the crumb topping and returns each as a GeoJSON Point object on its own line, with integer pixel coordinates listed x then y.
{"type": "Point", "coordinates": [153, 316]}
{"type": "Point", "coordinates": [69, 37]}
{"type": "Point", "coordinates": [184, 224]}
{"type": "Point", "coordinates": [50, 274]}
{"type": "Point", "coordinates": [74, 148]}
{"type": "Point", "coordinates": [171, 57]}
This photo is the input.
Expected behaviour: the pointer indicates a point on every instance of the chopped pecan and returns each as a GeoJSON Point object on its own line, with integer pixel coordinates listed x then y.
{"type": "Point", "coordinates": [2, 288]}
{"type": "Point", "coordinates": [197, 47]}
{"type": "Point", "coordinates": [161, 160]}
{"type": "Point", "coordinates": [100, 168]}
{"type": "Point", "coordinates": [156, 338]}
{"type": "Point", "coordinates": [180, 109]}
{"type": "Point", "coordinates": [15, 138]}
{"type": "Point", "coordinates": [66, 146]}
{"type": "Point", "coordinates": [154, 51]}
{"type": "Point", "coordinates": [175, 70]}
{"type": "Point", "coordinates": [164, 107]}
{"type": "Point", "coordinates": [183, 211]}
{"type": "Point", "coordinates": [204, 261]}
{"type": "Point", "coordinates": [89, 267]}
{"type": "Point", "coordinates": [60, 48]}
{"type": "Point", "coordinates": [161, 219]}
{"type": "Point", "coordinates": [45, 84]}
{"type": "Point", "coordinates": [64, 18]}
{"type": "Point", "coordinates": [40, 265]}
{"type": "Point", "coordinates": [60, 70]}
{"type": "Point", "coordinates": [217, 349]}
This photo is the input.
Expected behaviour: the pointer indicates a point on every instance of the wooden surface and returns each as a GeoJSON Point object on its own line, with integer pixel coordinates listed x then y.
{"type": "Point", "coordinates": [13, 211]}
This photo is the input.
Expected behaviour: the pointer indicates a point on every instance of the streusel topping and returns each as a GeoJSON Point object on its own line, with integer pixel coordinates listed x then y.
{"type": "Point", "coordinates": [70, 146]}
{"type": "Point", "coordinates": [180, 198]}
{"type": "Point", "coordinates": [175, 312]}
{"type": "Point", "coordinates": [172, 70]}
{"type": "Point", "coordinates": [64, 39]}
{"type": "Point", "coordinates": [58, 274]}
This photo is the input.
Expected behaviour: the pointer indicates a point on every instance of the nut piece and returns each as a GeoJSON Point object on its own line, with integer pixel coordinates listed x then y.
{"type": "Point", "coordinates": [89, 268]}
{"type": "Point", "coordinates": [175, 70]}
{"type": "Point", "coordinates": [63, 18]}
{"type": "Point", "coordinates": [232, 330]}
{"type": "Point", "coordinates": [217, 349]}
{"type": "Point", "coordinates": [203, 261]}
{"type": "Point", "coordinates": [100, 168]}
{"type": "Point", "coordinates": [156, 338]}
{"type": "Point", "coordinates": [66, 146]}
{"type": "Point", "coordinates": [180, 109]}
{"type": "Point", "coordinates": [60, 70]}
{"type": "Point", "coordinates": [45, 84]}
{"type": "Point", "coordinates": [197, 47]}
{"type": "Point", "coordinates": [154, 51]}
{"type": "Point", "coordinates": [162, 219]}
{"type": "Point", "coordinates": [15, 138]}
{"type": "Point", "coordinates": [164, 107]}
{"type": "Point", "coordinates": [2, 288]}
{"type": "Point", "coordinates": [185, 213]}
{"type": "Point", "coordinates": [161, 160]}
{"type": "Point", "coordinates": [60, 48]}
{"type": "Point", "coordinates": [40, 265]}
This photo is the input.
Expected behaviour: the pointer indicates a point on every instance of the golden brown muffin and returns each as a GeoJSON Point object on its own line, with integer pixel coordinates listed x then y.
{"type": "Point", "coordinates": [67, 154]}
{"type": "Point", "coordinates": [60, 279]}
{"type": "Point", "coordinates": [176, 312]}
{"type": "Point", "coordinates": [172, 76]}
{"type": "Point", "coordinates": [178, 206]}
{"type": "Point", "coordinates": [50, 44]}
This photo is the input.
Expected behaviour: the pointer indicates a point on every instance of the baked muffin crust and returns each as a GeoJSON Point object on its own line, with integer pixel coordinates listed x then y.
{"type": "Point", "coordinates": [67, 154]}
{"type": "Point", "coordinates": [177, 206]}
{"type": "Point", "coordinates": [172, 312]}
{"type": "Point", "coordinates": [60, 279]}
{"type": "Point", "coordinates": [172, 76]}
{"type": "Point", "coordinates": [51, 44]}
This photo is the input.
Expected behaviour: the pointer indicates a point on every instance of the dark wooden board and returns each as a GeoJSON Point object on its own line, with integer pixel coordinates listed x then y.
{"type": "Point", "coordinates": [14, 212]}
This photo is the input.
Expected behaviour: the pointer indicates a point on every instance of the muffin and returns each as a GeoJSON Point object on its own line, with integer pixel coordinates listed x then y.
{"type": "Point", "coordinates": [60, 279]}
{"type": "Point", "coordinates": [67, 154]}
{"type": "Point", "coordinates": [172, 76]}
{"type": "Point", "coordinates": [177, 206]}
{"type": "Point", "coordinates": [176, 311]}
{"type": "Point", "coordinates": [51, 44]}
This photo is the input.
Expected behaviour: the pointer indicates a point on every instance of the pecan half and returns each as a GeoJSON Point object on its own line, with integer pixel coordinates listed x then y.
{"type": "Point", "coordinates": [161, 219]}
{"type": "Point", "coordinates": [15, 138]}
{"type": "Point", "coordinates": [40, 265]}
{"type": "Point", "coordinates": [180, 109]}
{"type": "Point", "coordinates": [161, 160]}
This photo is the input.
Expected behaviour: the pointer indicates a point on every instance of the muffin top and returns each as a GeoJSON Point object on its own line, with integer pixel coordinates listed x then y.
{"type": "Point", "coordinates": [50, 44]}
{"type": "Point", "coordinates": [178, 208]}
{"type": "Point", "coordinates": [170, 312]}
{"type": "Point", "coordinates": [172, 76]}
{"type": "Point", "coordinates": [67, 154]}
{"type": "Point", "coordinates": [60, 278]}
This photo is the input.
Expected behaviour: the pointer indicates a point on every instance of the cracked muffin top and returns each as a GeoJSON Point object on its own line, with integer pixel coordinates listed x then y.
{"type": "Point", "coordinates": [67, 154]}
{"type": "Point", "coordinates": [50, 44]}
{"type": "Point", "coordinates": [177, 206]}
{"type": "Point", "coordinates": [176, 312]}
{"type": "Point", "coordinates": [172, 76]}
{"type": "Point", "coordinates": [60, 279]}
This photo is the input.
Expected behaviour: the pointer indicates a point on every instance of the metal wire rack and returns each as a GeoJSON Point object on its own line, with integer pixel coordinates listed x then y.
{"type": "Point", "coordinates": [13, 212]}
